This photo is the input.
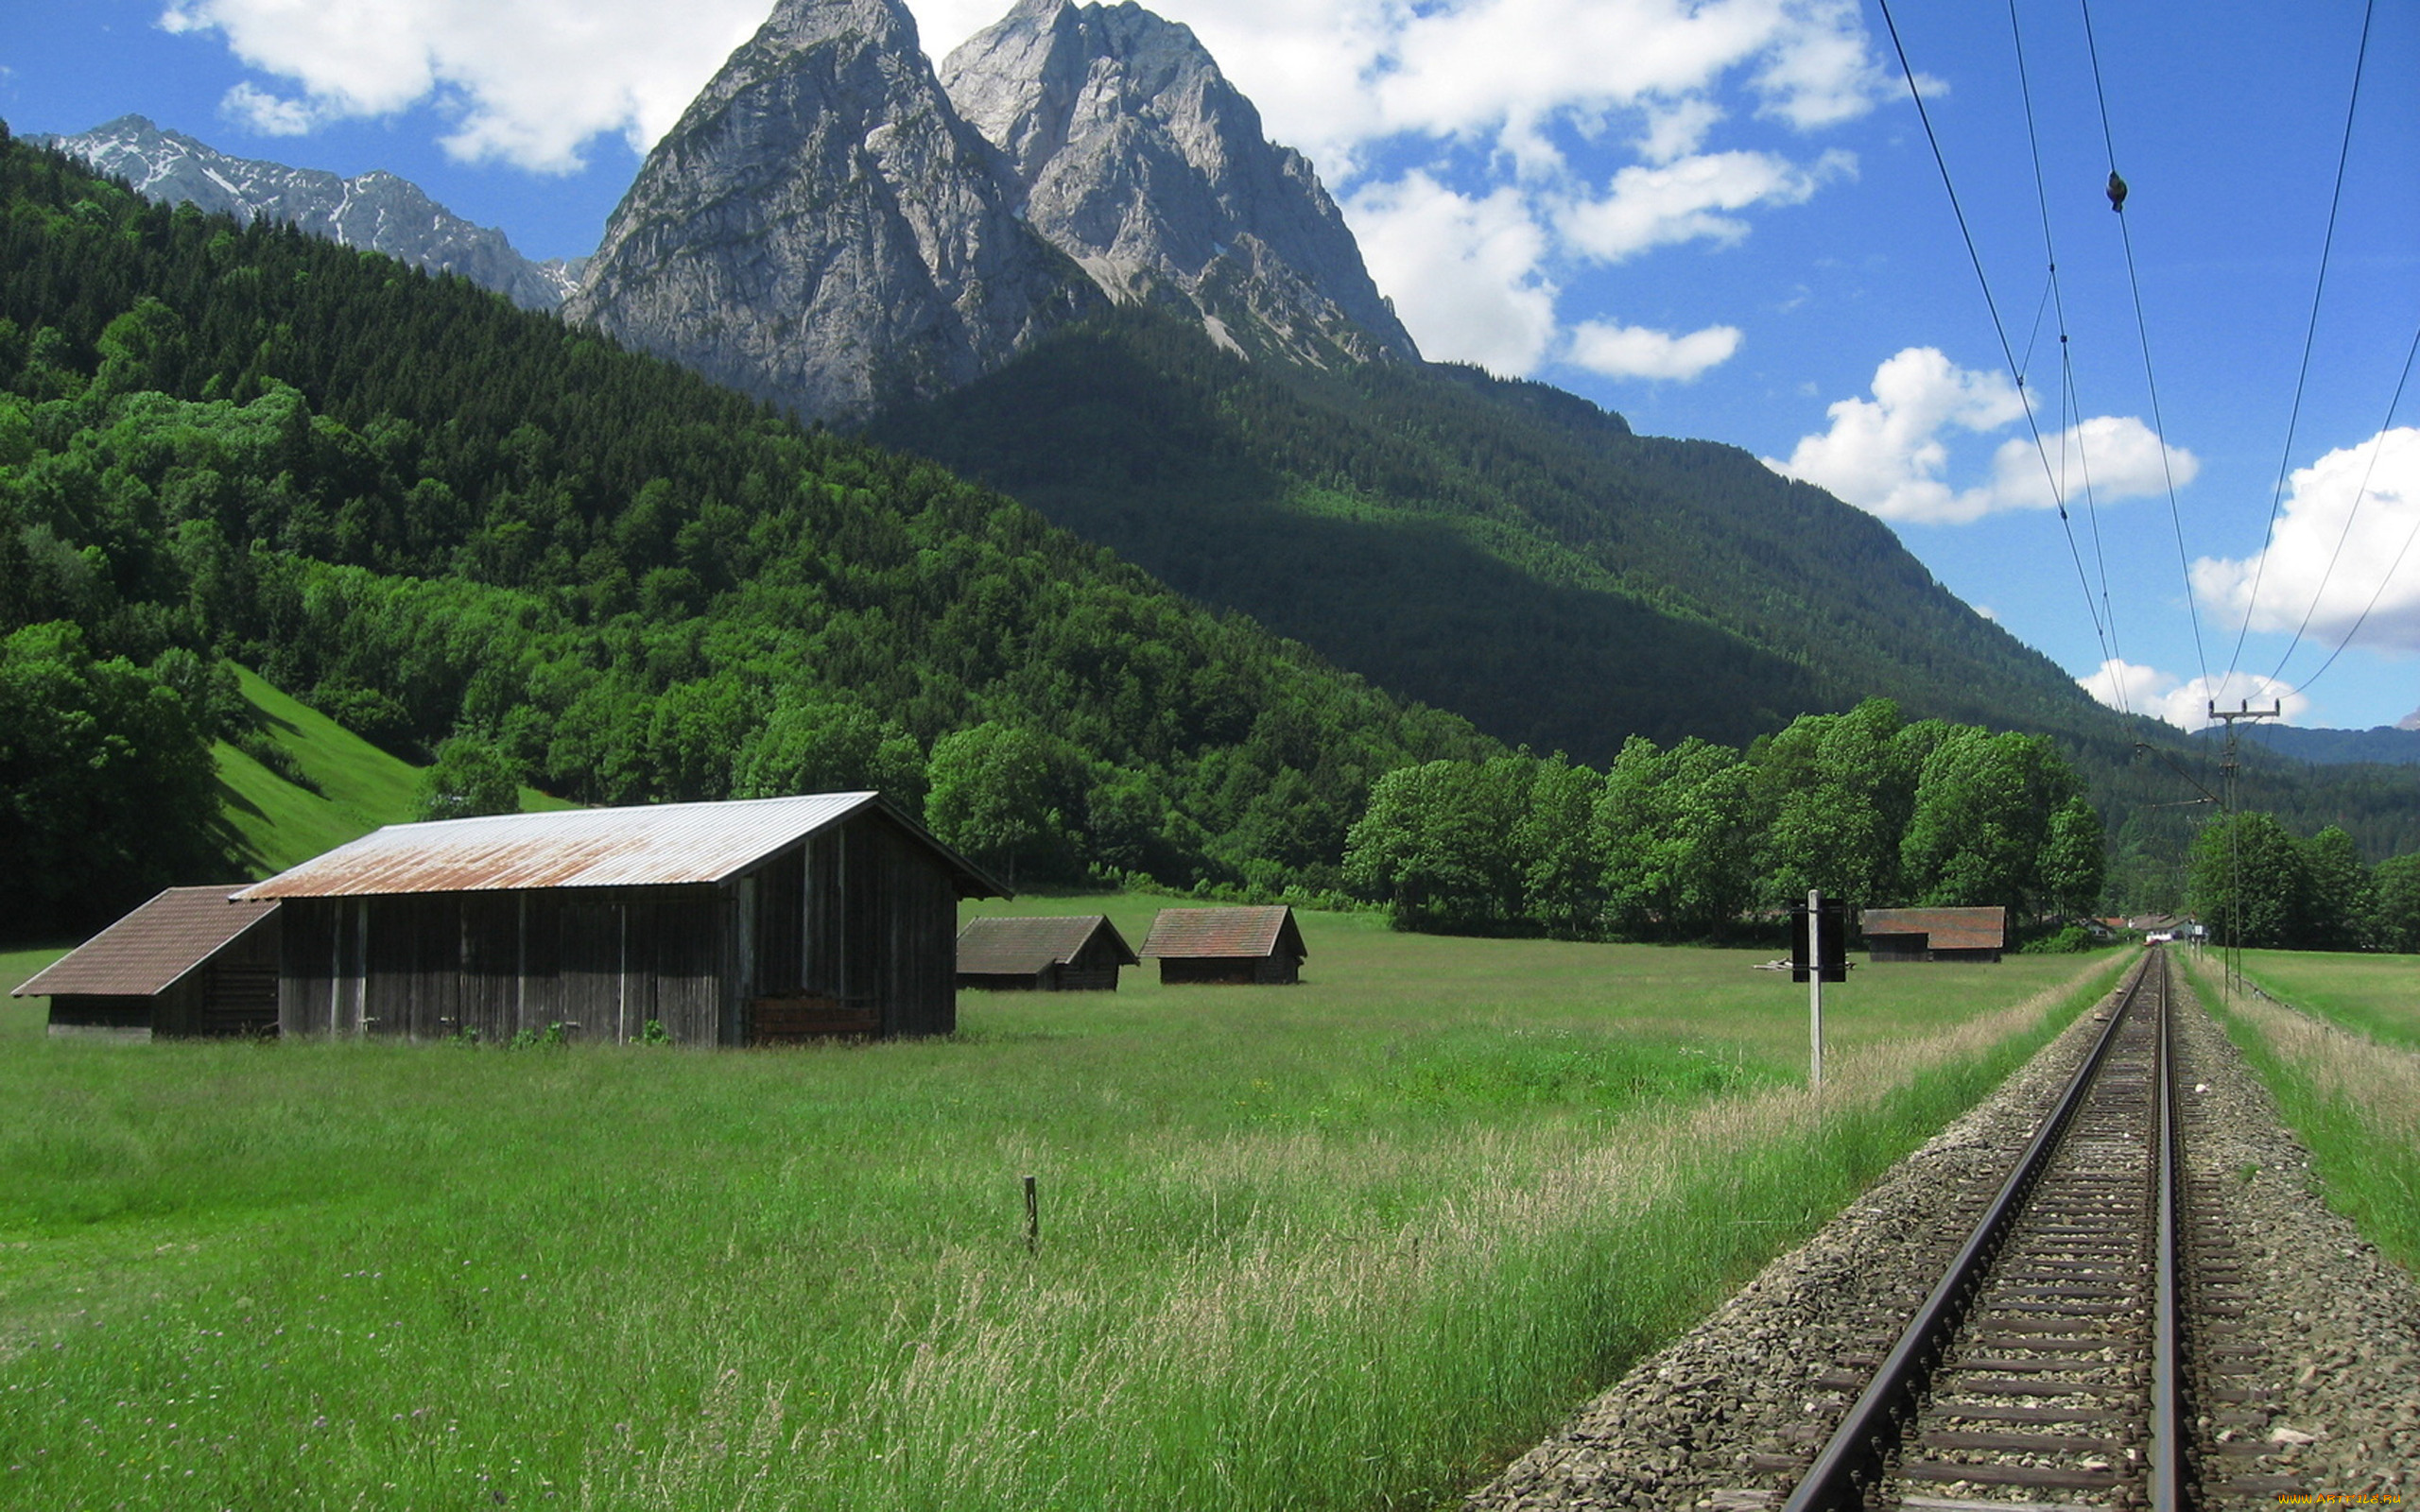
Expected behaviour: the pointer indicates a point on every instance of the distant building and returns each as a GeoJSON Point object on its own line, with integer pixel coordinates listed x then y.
{"type": "Point", "coordinates": [188, 963]}
{"type": "Point", "coordinates": [1935, 934]}
{"type": "Point", "coordinates": [749, 922]}
{"type": "Point", "coordinates": [1245, 946]}
{"type": "Point", "coordinates": [1075, 954]}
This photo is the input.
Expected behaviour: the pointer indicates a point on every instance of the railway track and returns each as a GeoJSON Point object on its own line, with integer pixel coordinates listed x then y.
{"type": "Point", "coordinates": [2047, 1366]}
{"type": "Point", "coordinates": [2037, 1381]}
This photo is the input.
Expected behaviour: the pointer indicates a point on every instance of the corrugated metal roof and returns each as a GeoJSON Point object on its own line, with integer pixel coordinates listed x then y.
{"type": "Point", "coordinates": [1021, 946]}
{"type": "Point", "coordinates": [659, 845]}
{"type": "Point", "coordinates": [150, 950]}
{"type": "Point", "coordinates": [1193, 933]}
{"type": "Point", "coordinates": [1946, 929]}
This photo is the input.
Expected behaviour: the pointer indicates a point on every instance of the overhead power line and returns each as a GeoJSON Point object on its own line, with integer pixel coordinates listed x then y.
{"type": "Point", "coordinates": [2388, 576]}
{"type": "Point", "coordinates": [2117, 190]}
{"type": "Point", "coordinates": [2294, 417]}
{"type": "Point", "coordinates": [2008, 353]}
{"type": "Point", "coordinates": [2070, 407]}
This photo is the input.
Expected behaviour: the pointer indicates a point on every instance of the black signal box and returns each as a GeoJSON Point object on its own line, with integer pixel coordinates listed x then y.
{"type": "Point", "coordinates": [1833, 965]}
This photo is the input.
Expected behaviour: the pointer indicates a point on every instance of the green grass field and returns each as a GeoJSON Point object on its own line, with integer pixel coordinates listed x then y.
{"type": "Point", "coordinates": [2373, 995]}
{"type": "Point", "coordinates": [1346, 1245]}
{"type": "Point", "coordinates": [2338, 1042]}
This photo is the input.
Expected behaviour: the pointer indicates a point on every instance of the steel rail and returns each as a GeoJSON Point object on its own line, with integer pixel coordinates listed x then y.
{"type": "Point", "coordinates": [1857, 1448]}
{"type": "Point", "coordinates": [2167, 1437]}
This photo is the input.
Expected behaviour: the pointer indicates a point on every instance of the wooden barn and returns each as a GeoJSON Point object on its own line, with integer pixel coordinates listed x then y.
{"type": "Point", "coordinates": [1081, 953]}
{"type": "Point", "coordinates": [747, 923]}
{"type": "Point", "coordinates": [189, 963]}
{"type": "Point", "coordinates": [1935, 934]}
{"type": "Point", "coordinates": [1246, 946]}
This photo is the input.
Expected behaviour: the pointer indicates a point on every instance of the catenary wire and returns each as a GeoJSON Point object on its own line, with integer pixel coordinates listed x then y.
{"type": "Point", "coordinates": [2410, 536]}
{"type": "Point", "coordinates": [2150, 384]}
{"type": "Point", "coordinates": [2071, 409]}
{"type": "Point", "coordinates": [2000, 329]}
{"type": "Point", "coordinates": [2328, 243]}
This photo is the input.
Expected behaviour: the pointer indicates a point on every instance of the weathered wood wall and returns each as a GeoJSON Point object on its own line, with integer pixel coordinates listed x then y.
{"type": "Point", "coordinates": [1231, 970]}
{"type": "Point", "coordinates": [860, 915]}
{"type": "Point", "coordinates": [601, 962]}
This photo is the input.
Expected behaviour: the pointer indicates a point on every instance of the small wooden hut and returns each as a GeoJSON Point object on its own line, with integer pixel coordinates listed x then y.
{"type": "Point", "coordinates": [1935, 934]}
{"type": "Point", "coordinates": [747, 923]}
{"type": "Point", "coordinates": [1079, 953]}
{"type": "Point", "coordinates": [1243, 946]}
{"type": "Point", "coordinates": [189, 963]}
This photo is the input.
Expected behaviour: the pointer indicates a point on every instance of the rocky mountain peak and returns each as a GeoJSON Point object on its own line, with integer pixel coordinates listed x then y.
{"type": "Point", "coordinates": [822, 230]}
{"type": "Point", "coordinates": [378, 211]}
{"type": "Point", "coordinates": [831, 227]}
{"type": "Point", "coordinates": [1139, 159]}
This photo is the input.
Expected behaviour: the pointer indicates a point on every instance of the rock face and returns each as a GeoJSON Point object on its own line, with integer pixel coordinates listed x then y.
{"type": "Point", "coordinates": [822, 230]}
{"type": "Point", "coordinates": [375, 212]}
{"type": "Point", "coordinates": [1138, 158]}
{"type": "Point", "coordinates": [831, 228]}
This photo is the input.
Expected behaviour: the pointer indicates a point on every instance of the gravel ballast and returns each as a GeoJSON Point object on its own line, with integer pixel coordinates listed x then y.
{"type": "Point", "coordinates": [1714, 1419]}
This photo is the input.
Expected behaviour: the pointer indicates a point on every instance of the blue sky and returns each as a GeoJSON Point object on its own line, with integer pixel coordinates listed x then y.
{"type": "Point", "coordinates": [1721, 220]}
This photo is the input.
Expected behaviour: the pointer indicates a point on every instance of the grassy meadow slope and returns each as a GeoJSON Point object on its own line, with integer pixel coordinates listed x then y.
{"type": "Point", "coordinates": [1345, 1245]}
{"type": "Point", "coordinates": [349, 787]}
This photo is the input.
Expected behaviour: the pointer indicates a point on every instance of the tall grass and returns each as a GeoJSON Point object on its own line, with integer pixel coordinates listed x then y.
{"type": "Point", "coordinates": [2354, 1101]}
{"type": "Point", "coordinates": [1298, 1248]}
{"type": "Point", "coordinates": [2376, 996]}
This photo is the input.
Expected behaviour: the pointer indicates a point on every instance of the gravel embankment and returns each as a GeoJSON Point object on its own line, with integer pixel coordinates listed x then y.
{"type": "Point", "coordinates": [1707, 1421]}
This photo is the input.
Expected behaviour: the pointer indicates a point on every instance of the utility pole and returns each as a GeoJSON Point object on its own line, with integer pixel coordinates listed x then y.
{"type": "Point", "coordinates": [2243, 710]}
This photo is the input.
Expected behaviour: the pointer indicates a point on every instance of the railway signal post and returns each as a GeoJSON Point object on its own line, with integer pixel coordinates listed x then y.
{"type": "Point", "coordinates": [1819, 952]}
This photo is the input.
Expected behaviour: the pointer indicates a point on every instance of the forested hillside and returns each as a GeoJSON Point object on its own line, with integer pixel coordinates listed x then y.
{"type": "Point", "coordinates": [1494, 546]}
{"type": "Point", "coordinates": [435, 517]}
{"type": "Point", "coordinates": [1512, 552]}
{"type": "Point", "coordinates": [483, 539]}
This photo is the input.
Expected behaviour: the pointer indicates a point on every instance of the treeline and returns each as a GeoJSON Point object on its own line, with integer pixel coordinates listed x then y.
{"type": "Point", "coordinates": [2252, 881]}
{"type": "Point", "coordinates": [469, 532]}
{"type": "Point", "coordinates": [1696, 841]}
{"type": "Point", "coordinates": [1515, 554]}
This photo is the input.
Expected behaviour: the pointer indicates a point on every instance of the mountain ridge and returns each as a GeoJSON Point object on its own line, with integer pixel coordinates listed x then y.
{"type": "Point", "coordinates": [378, 211]}
{"type": "Point", "coordinates": [1141, 161]}
{"type": "Point", "coordinates": [825, 229]}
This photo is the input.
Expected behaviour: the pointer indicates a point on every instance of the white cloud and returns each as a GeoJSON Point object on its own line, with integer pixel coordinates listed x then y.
{"type": "Point", "coordinates": [1634, 352]}
{"type": "Point", "coordinates": [2329, 560]}
{"type": "Point", "coordinates": [2118, 456]}
{"type": "Point", "coordinates": [256, 110]}
{"type": "Point", "coordinates": [1826, 72]}
{"type": "Point", "coordinates": [1490, 66]}
{"type": "Point", "coordinates": [1463, 272]}
{"type": "Point", "coordinates": [1677, 129]}
{"type": "Point", "coordinates": [1886, 455]}
{"type": "Point", "coordinates": [2184, 702]}
{"type": "Point", "coordinates": [530, 80]}
{"type": "Point", "coordinates": [1685, 200]}
{"type": "Point", "coordinates": [1356, 84]}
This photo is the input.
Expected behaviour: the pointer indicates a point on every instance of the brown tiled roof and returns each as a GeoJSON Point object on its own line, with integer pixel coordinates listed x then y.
{"type": "Point", "coordinates": [147, 951]}
{"type": "Point", "coordinates": [1946, 929]}
{"type": "Point", "coordinates": [1021, 946]}
{"type": "Point", "coordinates": [656, 844]}
{"type": "Point", "coordinates": [1229, 933]}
